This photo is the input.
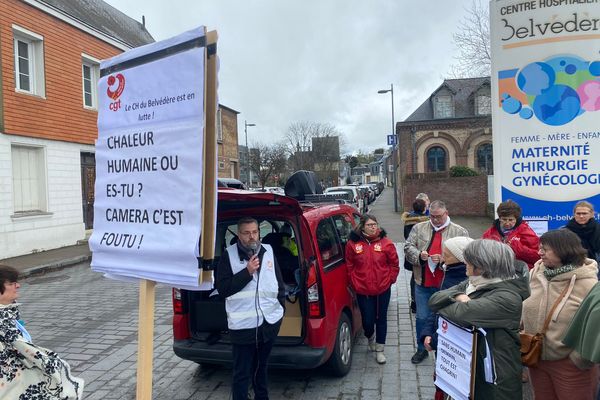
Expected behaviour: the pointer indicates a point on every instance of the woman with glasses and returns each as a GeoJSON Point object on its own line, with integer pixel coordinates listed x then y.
{"type": "Point", "coordinates": [28, 371]}
{"type": "Point", "coordinates": [559, 282]}
{"type": "Point", "coordinates": [373, 267]}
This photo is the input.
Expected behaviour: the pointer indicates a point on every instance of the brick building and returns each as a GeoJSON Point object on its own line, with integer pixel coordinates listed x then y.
{"type": "Point", "coordinates": [227, 142]}
{"type": "Point", "coordinates": [452, 127]}
{"type": "Point", "coordinates": [50, 52]}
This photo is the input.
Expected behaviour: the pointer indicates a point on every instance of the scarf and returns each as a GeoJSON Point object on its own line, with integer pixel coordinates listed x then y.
{"type": "Point", "coordinates": [245, 251]}
{"type": "Point", "coordinates": [550, 273]}
{"type": "Point", "coordinates": [589, 233]}
{"type": "Point", "coordinates": [478, 282]}
{"type": "Point", "coordinates": [372, 237]}
{"type": "Point", "coordinates": [437, 229]}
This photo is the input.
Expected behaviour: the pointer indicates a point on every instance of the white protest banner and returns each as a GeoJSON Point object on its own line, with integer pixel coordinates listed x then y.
{"type": "Point", "coordinates": [454, 359]}
{"type": "Point", "coordinates": [546, 97]}
{"type": "Point", "coordinates": [149, 162]}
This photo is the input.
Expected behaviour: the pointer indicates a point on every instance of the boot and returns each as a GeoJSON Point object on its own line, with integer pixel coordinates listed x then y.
{"type": "Point", "coordinates": [372, 343]}
{"type": "Point", "coordinates": [379, 356]}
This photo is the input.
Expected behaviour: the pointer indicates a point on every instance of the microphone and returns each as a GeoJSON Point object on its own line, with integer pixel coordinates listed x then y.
{"type": "Point", "coordinates": [253, 246]}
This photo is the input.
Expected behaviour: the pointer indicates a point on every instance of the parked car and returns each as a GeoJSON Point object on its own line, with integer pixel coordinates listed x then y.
{"type": "Point", "coordinates": [231, 183]}
{"type": "Point", "coordinates": [381, 186]}
{"type": "Point", "coordinates": [321, 314]}
{"type": "Point", "coordinates": [370, 192]}
{"type": "Point", "coordinates": [358, 196]}
{"type": "Point", "coordinates": [375, 187]}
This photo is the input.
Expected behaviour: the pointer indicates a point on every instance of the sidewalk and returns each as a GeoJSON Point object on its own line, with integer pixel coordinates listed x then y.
{"type": "Point", "coordinates": [416, 381]}
{"type": "Point", "coordinates": [44, 261]}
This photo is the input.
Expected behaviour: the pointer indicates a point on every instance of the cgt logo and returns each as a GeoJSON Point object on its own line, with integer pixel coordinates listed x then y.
{"type": "Point", "coordinates": [444, 326]}
{"type": "Point", "coordinates": [116, 85]}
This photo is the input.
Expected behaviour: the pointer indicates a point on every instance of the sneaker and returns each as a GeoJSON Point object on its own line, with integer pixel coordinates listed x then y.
{"type": "Point", "coordinates": [379, 356]}
{"type": "Point", "coordinates": [419, 356]}
{"type": "Point", "coordinates": [372, 344]}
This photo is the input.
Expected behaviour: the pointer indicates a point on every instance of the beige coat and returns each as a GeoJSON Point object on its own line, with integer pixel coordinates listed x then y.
{"type": "Point", "coordinates": [543, 295]}
{"type": "Point", "coordinates": [419, 239]}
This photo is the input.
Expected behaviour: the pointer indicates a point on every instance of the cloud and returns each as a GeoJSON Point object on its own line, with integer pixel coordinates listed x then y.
{"type": "Point", "coordinates": [324, 61]}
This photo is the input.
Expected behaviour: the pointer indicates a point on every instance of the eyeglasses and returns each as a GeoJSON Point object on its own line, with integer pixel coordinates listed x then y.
{"type": "Point", "coordinates": [373, 225]}
{"type": "Point", "coordinates": [440, 216]}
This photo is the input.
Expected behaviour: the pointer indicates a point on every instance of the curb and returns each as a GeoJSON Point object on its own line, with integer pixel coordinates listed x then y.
{"type": "Point", "coordinates": [55, 265]}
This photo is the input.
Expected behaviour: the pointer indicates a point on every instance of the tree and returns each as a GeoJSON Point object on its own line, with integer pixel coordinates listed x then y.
{"type": "Point", "coordinates": [473, 42]}
{"type": "Point", "coordinates": [299, 144]}
{"type": "Point", "coordinates": [267, 160]}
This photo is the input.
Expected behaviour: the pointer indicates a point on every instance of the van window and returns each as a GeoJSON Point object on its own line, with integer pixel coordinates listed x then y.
{"type": "Point", "coordinates": [343, 227]}
{"type": "Point", "coordinates": [329, 245]}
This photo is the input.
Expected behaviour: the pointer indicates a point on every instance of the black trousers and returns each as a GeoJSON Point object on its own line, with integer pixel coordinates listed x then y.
{"type": "Point", "coordinates": [250, 365]}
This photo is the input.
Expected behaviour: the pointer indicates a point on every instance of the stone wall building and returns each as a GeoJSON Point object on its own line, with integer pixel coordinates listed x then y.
{"type": "Point", "coordinates": [452, 127]}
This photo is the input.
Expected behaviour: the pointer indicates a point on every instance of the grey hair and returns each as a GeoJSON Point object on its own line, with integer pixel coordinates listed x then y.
{"type": "Point", "coordinates": [422, 196]}
{"type": "Point", "coordinates": [437, 204]}
{"type": "Point", "coordinates": [492, 258]}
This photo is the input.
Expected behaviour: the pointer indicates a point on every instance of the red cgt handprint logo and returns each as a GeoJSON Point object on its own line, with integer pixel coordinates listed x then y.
{"type": "Point", "coordinates": [114, 91]}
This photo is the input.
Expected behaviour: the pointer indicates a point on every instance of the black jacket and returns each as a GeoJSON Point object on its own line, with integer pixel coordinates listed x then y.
{"type": "Point", "coordinates": [228, 284]}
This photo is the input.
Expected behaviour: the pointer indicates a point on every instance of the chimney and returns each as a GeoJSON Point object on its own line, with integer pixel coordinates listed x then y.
{"type": "Point", "coordinates": [143, 21]}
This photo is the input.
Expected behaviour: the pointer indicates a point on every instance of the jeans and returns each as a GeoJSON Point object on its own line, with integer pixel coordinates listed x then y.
{"type": "Point", "coordinates": [422, 295]}
{"type": "Point", "coordinates": [250, 364]}
{"type": "Point", "coordinates": [373, 311]}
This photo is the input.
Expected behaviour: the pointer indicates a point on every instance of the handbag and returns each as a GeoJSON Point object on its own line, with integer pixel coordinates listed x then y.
{"type": "Point", "coordinates": [531, 345]}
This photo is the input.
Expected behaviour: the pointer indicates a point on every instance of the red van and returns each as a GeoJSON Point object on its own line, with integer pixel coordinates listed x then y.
{"type": "Point", "coordinates": [322, 316]}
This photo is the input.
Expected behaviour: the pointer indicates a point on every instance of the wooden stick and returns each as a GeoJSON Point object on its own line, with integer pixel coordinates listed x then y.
{"type": "Point", "coordinates": [145, 340]}
{"type": "Point", "coordinates": [207, 243]}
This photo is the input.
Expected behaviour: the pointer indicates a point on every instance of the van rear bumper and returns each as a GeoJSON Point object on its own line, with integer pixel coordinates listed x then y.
{"type": "Point", "coordinates": [292, 357]}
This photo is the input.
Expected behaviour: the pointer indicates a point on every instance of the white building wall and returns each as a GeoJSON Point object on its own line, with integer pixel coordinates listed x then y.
{"type": "Point", "coordinates": [63, 225]}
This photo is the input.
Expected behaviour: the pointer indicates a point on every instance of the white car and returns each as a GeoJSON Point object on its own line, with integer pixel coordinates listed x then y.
{"type": "Point", "coordinates": [356, 195]}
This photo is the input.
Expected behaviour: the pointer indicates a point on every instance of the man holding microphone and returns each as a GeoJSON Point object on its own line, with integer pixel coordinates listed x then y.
{"type": "Point", "coordinates": [249, 279]}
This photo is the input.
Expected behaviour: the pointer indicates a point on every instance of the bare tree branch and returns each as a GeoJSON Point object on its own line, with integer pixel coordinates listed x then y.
{"type": "Point", "coordinates": [473, 43]}
{"type": "Point", "coordinates": [267, 160]}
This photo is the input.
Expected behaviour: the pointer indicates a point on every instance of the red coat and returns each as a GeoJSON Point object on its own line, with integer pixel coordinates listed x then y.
{"type": "Point", "coordinates": [372, 266]}
{"type": "Point", "coordinates": [522, 239]}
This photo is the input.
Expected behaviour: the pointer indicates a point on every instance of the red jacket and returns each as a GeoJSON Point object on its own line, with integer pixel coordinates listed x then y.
{"type": "Point", "coordinates": [522, 239]}
{"type": "Point", "coordinates": [372, 266]}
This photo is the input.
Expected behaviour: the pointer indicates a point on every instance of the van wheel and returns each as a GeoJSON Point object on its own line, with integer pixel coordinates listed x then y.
{"type": "Point", "coordinates": [341, 359]}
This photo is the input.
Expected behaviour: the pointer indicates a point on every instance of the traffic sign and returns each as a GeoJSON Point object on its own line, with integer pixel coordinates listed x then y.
{"type": "Point", "coordinates": [392, 140]}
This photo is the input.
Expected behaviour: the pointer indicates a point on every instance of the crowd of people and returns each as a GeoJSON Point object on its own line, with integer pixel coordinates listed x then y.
{"type": "Point", "coordinates": [511, 283]}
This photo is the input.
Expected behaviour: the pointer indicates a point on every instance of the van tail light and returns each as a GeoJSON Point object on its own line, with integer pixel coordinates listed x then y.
{"type": "Point", "coordinates": [315, 302]}
{"type": "Point", "coordinates": [177, 303]}
{"type": "Point", "coordinates": [181, 319]}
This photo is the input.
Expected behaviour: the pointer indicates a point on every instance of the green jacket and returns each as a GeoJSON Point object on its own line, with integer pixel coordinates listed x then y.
{"type": "Point", "coordinates": [582, 334]}
{"type": "Point", "coordinates": [497, 309]}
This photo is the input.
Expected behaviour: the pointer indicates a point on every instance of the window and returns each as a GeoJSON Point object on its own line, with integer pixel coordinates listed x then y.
{"type": "Point", "coordinates": [485, 158]}
{"type": "Point", "coordinates": [29, 61]}
{"type": "Point", "coordinates": [483, 104]}
{"type": "Point", "coordinates": [29, 179]}
{"type": "Point", "coordinates": [343, 225]}
{"type": "Point", "coordinates": [219, 126]}
{"type": "Point", "coordinates": [90, 73]}
{"type": "Point", "coordinates": [436, 159]}
{"type": "Point", "coordinates": [221, 164]}
{"type": "Point", "coordinates": [328, 243]}
{"type": "Point", "coordinates": [444, 107]}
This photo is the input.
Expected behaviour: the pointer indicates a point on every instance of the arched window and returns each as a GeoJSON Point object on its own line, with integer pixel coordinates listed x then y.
{"type": "Point", "coordinates": [436, 159]}
{"type": "Point", "coordinates": [485, 158]}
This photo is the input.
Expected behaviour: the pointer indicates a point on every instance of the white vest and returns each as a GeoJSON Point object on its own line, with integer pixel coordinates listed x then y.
{"type": "Point", "coordinates": [258, 299]}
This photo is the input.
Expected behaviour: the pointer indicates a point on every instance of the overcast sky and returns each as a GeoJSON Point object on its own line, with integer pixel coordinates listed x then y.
{"type": "Point", "coordinates": [284, 61]}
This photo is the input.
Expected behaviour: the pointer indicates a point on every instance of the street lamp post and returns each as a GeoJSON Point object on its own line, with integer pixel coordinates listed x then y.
{"type": "Point", "coordinates": [394, 162]}
{"type": "Point", "coordinates": [249, 174]}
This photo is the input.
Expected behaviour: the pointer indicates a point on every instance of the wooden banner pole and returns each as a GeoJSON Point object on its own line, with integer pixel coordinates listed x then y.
{"type": "Point", "coordinates": [145, 340]}
{"type": "Point", "coordinates": [209, 206]}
